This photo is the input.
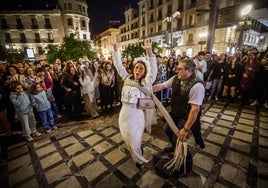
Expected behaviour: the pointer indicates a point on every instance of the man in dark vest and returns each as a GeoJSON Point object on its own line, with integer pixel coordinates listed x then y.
{"type": "Point", "coordinates": [187, 97]}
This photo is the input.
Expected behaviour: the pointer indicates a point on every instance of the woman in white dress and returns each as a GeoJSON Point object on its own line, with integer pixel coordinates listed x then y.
{"type": "Point", "coordinates": [131, 119]}
{"type": "Point", "coordinates": [87, 81]}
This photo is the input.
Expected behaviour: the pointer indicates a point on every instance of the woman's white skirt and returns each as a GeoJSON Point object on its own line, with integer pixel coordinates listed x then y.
{"type": "Point", "coordinates": [131, 125]}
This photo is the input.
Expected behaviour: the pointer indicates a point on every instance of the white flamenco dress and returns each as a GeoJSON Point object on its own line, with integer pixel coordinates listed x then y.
{"type": "Point", "coordinates": [132, 120]}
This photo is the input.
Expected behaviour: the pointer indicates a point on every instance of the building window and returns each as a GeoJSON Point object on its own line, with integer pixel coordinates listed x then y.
{"type": "Point", "coordinates": [179, 23]}
{"type": "Point", "coordinates": [84, 36]}
{"type": "Point", "coordinates": [69, 21]}
{"type": "Point", "coordinates": [4, 23]}
{"type": "Point", "coordinates": [84, 10]}
{"type": "Point", "coordinates": [143, 9]}
{"type": "Point", "coordinates": [65, 6]}
{"type": "Point", "coordinates": [8, 38]}
{"type": "Point", "coordinates": [80, 8]}
{"type": "Point", "coordinates": [152, 4]}
{"type": "Point", "coordinates": [37, 37]}
{"type": "Point", "coordinates": [151, 18]}
{"type": "Point", "coordinates": [190, 38]}
{"type": "Point", "coordinates": [40, 50]}
{"type": "Point", "coordinates": [151, 30]}
{"type": "Point", "coordinates": [160, 14]}
{"type": "Point", "coordinates": [22, 38]}
{"type": "Point", "coordinates": [180, 5]}
{"type": "Point", "coordinates": [143, 21]}
{"type": "Point", "coordinates": [69, 6]}
{"type": "Point", "coordinates": [19, 23]}
{"type": "Point", "coordinates": [159, 28]}
{"type": "Point", "coordinates": [83, 23]}
{"type": "Point", "coordinates": [50, 37]}
{"type": "Point", "coordinates": [192, 19]}
{"type": "Point", "coordinates": [47, 23]}
{"type": "Point", "coordinates": [169, 10]}
{"type": "Point", "coordinates": [34, 23]}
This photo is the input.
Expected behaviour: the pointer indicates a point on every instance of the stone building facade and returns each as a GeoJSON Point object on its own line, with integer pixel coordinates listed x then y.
{"type": "Point", "coordinates": [200, 24]}
{"type": "Point", "coordinates": [24, 28]}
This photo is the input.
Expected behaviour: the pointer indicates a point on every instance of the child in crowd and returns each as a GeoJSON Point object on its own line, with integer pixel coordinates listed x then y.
{"type": "Point", "coordinates": [24, 110]}
{"type": "Point", "coordinates": [46, 82]}
{"type": "Point", "coordinates": [40, 102]}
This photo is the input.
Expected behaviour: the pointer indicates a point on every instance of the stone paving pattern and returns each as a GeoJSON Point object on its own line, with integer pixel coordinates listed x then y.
{"type": "Point", "coordinates": [236, 154]}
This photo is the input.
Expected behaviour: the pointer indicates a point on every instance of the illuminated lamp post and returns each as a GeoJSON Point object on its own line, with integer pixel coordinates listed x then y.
{"type": "Point", "coordinates": [202, 39]}
{"type": "Point", "coordinates": [169, 20]}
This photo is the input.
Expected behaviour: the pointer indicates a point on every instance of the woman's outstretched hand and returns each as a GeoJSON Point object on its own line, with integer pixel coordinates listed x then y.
{"type": "Point", "coordinates": [116, 44]}
{"type": "Point", "coordinates": [116, 47]}
{"type": "Point", "coordinates": [147, 44]}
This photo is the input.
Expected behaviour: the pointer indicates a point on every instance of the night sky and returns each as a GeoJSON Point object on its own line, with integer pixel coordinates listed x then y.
{"type": "Point", "coordinates": [101, 11]}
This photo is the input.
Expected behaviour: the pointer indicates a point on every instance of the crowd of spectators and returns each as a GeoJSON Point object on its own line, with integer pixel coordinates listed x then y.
{"type": "Point", "coordinates": [72, 86]}
{"type": "Point", "coordinates": [235, 78]}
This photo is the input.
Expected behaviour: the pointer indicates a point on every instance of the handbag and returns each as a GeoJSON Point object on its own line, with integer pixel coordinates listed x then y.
{"type": "Point", "coordinates": [145, 103]}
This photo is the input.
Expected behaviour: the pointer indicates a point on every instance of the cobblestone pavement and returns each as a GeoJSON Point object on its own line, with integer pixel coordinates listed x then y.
{"type": "Point", "coordinates": [91, 153]}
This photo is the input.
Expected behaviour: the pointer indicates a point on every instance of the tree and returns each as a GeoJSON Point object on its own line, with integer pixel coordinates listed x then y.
{"type": "Point", "coordinates": [71, 48]}
{"type": "Point", "coordinates": [53, 53]}
{"type": "Point", "coordinates": [11, 55]}
{"type": "Point", "coordinates": [135, 50]}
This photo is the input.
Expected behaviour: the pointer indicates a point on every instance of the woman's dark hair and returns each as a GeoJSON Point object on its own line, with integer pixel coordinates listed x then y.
{"type": "Point", "coordinates": [133, 67]}
{"type": "Point", "coordinates": [11, 66]}
{"type": "Point", "coordinates": [14, 85]}
{"type": "Point", "coordinates": [41, 69]}
{"type": "Point", "coordinates": [168, 62]}
{"type": "Point", "coordinates": [32, 89]}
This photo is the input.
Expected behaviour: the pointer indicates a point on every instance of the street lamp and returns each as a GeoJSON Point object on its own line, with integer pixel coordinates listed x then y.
{"type": "Point", "coordinates": [169, 20]}
{"type": "Point", "coordinates": [244, 25]}
{"type": "Point", "coordinates": [202, 39]}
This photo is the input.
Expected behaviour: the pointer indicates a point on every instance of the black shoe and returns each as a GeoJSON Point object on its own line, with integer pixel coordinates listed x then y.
{"type": "Point", "coordinates": [169, 149]}
{"type": "Point", "coordinates": [139, 166]}
{"type": "Point", "coordinates": [202, 146]}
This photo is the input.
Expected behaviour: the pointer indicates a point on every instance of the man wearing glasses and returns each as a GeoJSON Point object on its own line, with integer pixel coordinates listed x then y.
{"type": "Point", "coordinates": [187, 97]}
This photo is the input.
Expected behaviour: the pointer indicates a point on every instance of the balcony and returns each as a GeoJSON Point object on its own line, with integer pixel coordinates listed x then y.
{"type": "Point", "coordinates": [159, 18]}
{"type": "Point", "coordinates": [4, 26]}
{"type": "Point", "coordinates": [23, 41]}
{"type": "Point", "coordinates": [19, 26]}
{"type": "Point", "coordinates": [189, 42]}
{"type": "Point", "coordinates": [192, 5]}
{"type": "Point", "coordinates": [8, 41]}
{"type": "Point", "coordinates": [47, 40]}
{"type": "Point", "coordinates": [37, 40]}
{"type": "Point", "coordinates": [48, 26]}
{"type": "Point", "coordinates": [151, 21]}
{"type": "Point", "coordinates": [201, 23]}
{"type": "Point", "coordinates": [188, 27]}
{"type": "Point", "coordinates": [34, 26]}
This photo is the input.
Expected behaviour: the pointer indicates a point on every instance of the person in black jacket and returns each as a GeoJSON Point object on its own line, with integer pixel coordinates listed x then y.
{"type": "Point", "coordinates": [3, 115]}
{"type": "Point", "coordinates": [188, 93]}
